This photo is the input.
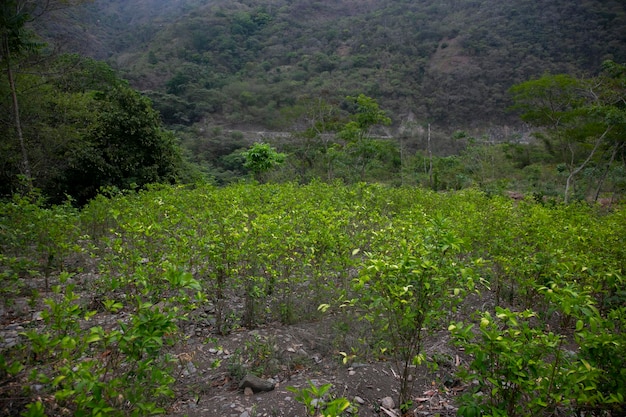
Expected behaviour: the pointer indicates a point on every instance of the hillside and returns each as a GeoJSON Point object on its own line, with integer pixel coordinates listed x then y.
{"type": "Point", "coordinates": [234, 63]}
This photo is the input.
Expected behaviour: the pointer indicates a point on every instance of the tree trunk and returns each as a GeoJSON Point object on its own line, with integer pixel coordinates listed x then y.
{"type": "Point", "coordinates": [430, 161]}
{"type": "Point", "coordinates": [16, 115]}
{"type": "Point", "coordinates": [606, 171]}
{"type": "Point", "coordinates": [574, 172]}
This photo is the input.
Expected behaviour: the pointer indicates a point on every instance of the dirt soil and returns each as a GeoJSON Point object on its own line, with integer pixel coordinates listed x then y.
{"type": "Point", "coordinates": [210, 367]}
{"type": "Point", "coordinates": [301, 354]}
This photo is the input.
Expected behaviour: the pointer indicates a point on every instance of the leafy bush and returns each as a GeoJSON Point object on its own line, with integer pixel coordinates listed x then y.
{"type": "Point", "coordinates": [408, 288]}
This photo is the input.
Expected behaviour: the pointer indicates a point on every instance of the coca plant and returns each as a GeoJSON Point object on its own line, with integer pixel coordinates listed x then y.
{"type": "Point", "coordinates": [406, 289]}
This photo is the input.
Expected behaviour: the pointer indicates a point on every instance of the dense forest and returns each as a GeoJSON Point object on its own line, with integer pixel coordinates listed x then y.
{"type": "Point", "coordinates": [207, 79]}
{"type": "Point", "coordinates": [449, 63]}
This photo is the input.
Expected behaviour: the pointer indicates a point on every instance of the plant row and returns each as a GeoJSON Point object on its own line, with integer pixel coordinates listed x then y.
{"type": "Point", "coordinates": [549, 335]}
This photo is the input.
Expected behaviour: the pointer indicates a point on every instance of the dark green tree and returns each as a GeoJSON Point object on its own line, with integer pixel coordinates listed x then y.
{"type": "Point", "coordinates": [126, 147]}
{"type": "Point", "coordinates": [87, 129]}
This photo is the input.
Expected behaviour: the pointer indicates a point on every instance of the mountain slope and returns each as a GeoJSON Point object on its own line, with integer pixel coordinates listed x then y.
{"type": "Point", "coordinates": [247, 62]}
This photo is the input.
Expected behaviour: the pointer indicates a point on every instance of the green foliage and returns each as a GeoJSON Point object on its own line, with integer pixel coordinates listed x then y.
{"type": "Point", "coordinates": [523, 370]}
{"type": "Point", "coordinates": [258, 356]}
{"type": "Point", "coordinates": [316, 400]}
{"type": "Point", "coordinates": [34, 240]}
{"type": "Point", "coordinates": [121, 370]}
{"type": "Point", "coordinates": [509, 363]}
{"type": "Point", "coordinates": [407, 259]}
{"type": "Point", "coordinates": [581, 117]}
{"type": "Point", "coordinates": [405, 290]}
{"type": "Point", "coordinates": [366, 114]}
{"type": "Point", "coordinates": [404, 54]}
{"type": "Point", "coordinates": [127, 147]}
{"type": "Point", "coordinates": [524, 362]}
{"type": "Point", "coordinates": [232, 66]}
{"type": "Point", "coordinates": [261, 158]}
{"type": "Point", "coordinates": [87, 129]}
{"type": "Point", "coordinates": [15, 36]}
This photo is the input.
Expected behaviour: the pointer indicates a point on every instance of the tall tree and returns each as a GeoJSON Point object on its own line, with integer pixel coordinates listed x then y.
{"type": "Point", "coordinates": [125, 147]}
{"type": "Point", "coordinates": [578, 117]}
{"type": "Point", "coordinates": [87, 129]}
{"type": "Point", "coordinates": [357, 133]}
{"type": "Point", "coordinates": [16, 40]}
{"type": "Point", "coordinates": [312, 148]}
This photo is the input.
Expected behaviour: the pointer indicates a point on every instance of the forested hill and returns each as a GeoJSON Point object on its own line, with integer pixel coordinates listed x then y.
{"type": "Point", "coordinates": [448, 62]}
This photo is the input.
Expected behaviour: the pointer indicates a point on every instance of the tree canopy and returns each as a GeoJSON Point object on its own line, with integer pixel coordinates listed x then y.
{"type": "Point", "coordinates": [84, 129]}
{"type": "Point", "coordinates": [583, 120]}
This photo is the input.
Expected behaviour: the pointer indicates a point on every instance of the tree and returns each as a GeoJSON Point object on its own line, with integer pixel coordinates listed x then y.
{"type": "Point", "coordinates": [16, 41]}
{"type": "Point", "coordinates": [614, 80]}
{"type": "Point", "coordinates": [86, 129]}
{"type": "Point", "coordinates": [260, 158]}
{"type": "Point", "coordinates": [357, 132]}
{"type": "Point", "coordinates": [578, 117]}
{"type": "Point", "coordinates": [125, 147]}
{"type": "Point", "coordinates": [312, 147]}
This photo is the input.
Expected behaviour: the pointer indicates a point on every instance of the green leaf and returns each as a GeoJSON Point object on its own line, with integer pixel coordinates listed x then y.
{"type": "Point", "coordinates": [56, 381]}
{"type": "Point", "coordinates": [579, 325]}
{"type": "Point", "coordinates": [94, 337]}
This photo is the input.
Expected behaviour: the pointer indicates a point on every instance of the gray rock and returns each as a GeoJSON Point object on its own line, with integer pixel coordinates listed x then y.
{"type": "Point", "coordinates": [388, 403]}
{"type": "Point", "coordinates": [189, 369]}
{"type": "Point", "coordinates": [257, 384]}
{"type": "Point", "coordinates": [359, 400]}
{"type": "Point", "coordinates": [8, 343]}
{"type": "Point", "coordinates": [356, 365]}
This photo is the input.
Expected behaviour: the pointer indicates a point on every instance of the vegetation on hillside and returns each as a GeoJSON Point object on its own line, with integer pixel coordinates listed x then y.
{"type": "Point", "coordinates": [80, 128]}
{"type": "Point", "coordinates": [69, 125]}
{"type": "Point", "coordinates": [449, 63]}
{"type": "Point", "coordinates": [83, 129]}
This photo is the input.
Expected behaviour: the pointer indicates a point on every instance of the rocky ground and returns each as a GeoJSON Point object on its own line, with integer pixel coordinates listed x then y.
{"type": "Point", "coordinates": [211, 368]}
{"type": "Point", "coordinates": [298, 355]}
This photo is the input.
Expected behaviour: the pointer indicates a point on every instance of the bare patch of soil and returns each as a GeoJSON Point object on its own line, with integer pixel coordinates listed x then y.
{"type": "Point", "coordinates": [299, 354]}
{"type": "Point", "coordinates": [210, 366]}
